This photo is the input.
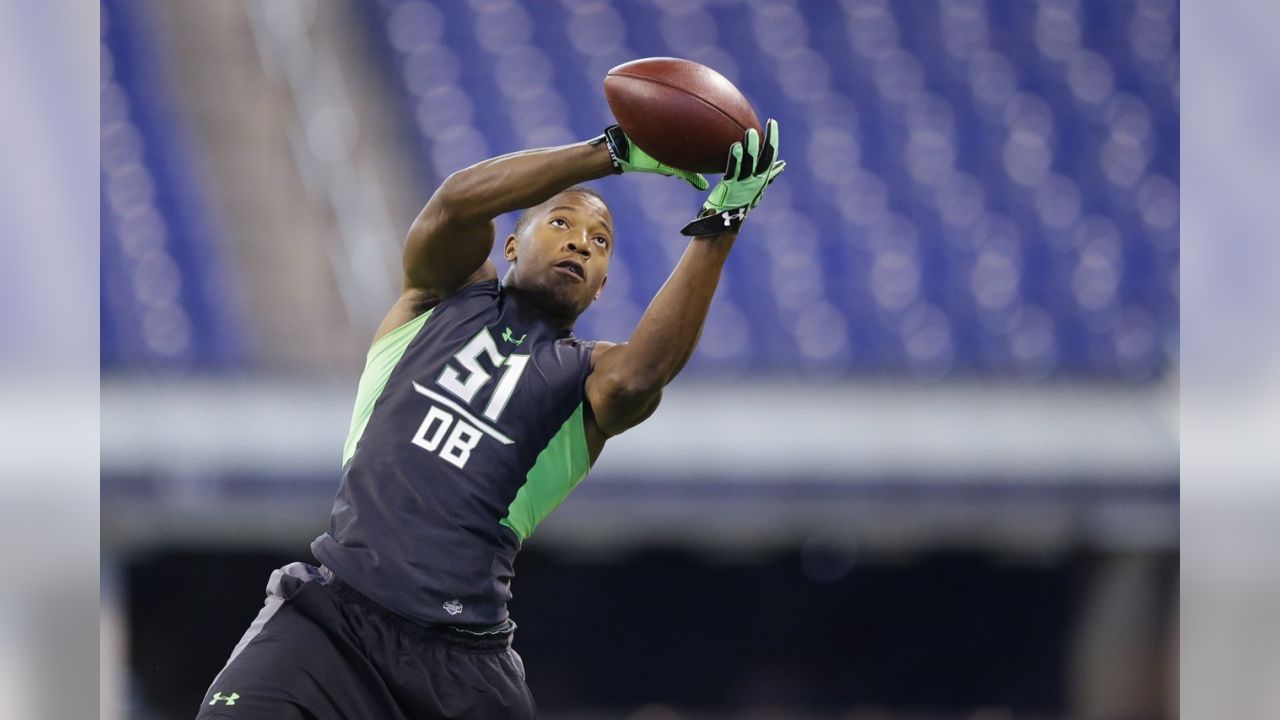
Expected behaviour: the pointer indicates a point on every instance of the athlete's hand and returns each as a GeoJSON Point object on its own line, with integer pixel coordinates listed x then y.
{"type": "Point", "coordinates": [628, 157]}
{"type": "Point", "coordinates": [751, 167]}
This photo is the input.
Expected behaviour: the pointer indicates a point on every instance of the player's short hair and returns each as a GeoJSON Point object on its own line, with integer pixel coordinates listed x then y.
{"type": "Point", "coordinates": [526, 216]}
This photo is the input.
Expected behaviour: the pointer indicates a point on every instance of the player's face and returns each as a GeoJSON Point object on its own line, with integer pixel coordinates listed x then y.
{"type": "Point", "coordinates": [562, 258]}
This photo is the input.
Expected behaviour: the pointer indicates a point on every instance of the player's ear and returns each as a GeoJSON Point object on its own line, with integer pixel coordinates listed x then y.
{"type": "Point", "coordinates": [602, 284]}
{"type": "Point", "coordinates": [509, 249]}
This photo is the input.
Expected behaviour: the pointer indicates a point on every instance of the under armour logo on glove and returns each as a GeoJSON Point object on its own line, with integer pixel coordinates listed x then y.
{"type": "Point", "coordinates": [752, 165]}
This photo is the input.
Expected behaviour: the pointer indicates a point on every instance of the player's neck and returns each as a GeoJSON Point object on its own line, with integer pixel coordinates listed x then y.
{"type": "Point", "coordinates": [529, 302]}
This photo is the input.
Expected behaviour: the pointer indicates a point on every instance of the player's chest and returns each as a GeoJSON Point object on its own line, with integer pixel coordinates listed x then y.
{"type": "Point", "coordinates": [492, 384]}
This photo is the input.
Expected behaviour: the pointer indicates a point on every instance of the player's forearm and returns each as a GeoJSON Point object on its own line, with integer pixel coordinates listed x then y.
{"type": "Point", "coordinates": [668, 332]}
{"type": "Point", "coordinates": [523, 179]}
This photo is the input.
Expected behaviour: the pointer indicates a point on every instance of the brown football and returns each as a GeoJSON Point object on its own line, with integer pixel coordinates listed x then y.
{"type": "Point", "coordinates": [683, 114]}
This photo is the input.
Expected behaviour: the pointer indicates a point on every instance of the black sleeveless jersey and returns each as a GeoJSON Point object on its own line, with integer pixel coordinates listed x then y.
{"type": "Point", "coordinates": [467, 432]}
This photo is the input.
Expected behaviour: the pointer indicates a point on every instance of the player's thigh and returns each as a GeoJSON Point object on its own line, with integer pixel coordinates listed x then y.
{"type": "Point", "coordinates": [304, 662]}
{"type": "Point", "coordinates": [261, 709]}
{"type": "Point", "coordinates": [266, 676]}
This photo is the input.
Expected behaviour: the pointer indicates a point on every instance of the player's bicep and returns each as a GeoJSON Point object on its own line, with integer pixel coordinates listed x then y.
{"type": "Point", "coordinates": [446, 247]}
{"type": "Point", "coordinates": [617, 404]}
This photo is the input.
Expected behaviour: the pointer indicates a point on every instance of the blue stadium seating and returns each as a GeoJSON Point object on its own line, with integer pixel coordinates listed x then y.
{"type": "Point", "coordinates": [975, 188]}
{"type": "Point", "coordinates": [165, 302]}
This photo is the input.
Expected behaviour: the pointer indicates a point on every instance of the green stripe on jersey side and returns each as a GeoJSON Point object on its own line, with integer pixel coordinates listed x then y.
{"type": "Point", "coordinates": [557, 471]}
{"type": "Point", "coordinates": [383, 358]}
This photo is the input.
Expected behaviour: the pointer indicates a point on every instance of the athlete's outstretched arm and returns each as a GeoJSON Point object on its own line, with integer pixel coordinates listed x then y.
{"type": "Point", "coordinates": [626, 381]}
{"type": "Point", "coordinates": [449, 243]}
{"type": "Point", "coordinates": [450, 240]}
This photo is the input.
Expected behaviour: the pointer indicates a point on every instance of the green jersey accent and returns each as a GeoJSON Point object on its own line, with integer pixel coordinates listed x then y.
{"type": "Point", "coordinates": [382, 359]}
{"type": "Point", "coordinates": [557, 471]}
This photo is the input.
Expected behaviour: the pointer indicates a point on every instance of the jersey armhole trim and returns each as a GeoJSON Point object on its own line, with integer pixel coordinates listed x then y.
{"type": "Point", "coordinates": [401, 329]}
{"type": "Point", "coordinates": [381, 360]}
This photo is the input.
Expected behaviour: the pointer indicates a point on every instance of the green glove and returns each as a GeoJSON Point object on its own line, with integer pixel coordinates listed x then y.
{"type": "Point", "coordinates": [628, 157]}
{"type": "Point", "coordinates": [750, 169]}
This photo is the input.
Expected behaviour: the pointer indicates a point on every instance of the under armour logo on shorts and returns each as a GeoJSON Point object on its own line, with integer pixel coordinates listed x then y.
{"type": "Point", "coordinates": [229, 699]}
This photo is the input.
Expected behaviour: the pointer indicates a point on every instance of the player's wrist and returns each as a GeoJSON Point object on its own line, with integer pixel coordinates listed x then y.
{"type": "Point", "coordinates": [629, 157]}
{"type": "Point", "coordinates": [608, 143]}
{"type": "Point", "coordinates": [713, 222]}
{"type": "Point", "coordinates": [715, 245]}
{"type": "Point", "coordinates": [719, 236]}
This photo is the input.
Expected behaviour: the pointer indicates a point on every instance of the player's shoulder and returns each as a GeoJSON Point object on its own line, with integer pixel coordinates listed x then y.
{"type": "Point", "coordinates": [599, 348]}
{"type": "Point", "coordinates": [420, 300]}
{"type": "Point", "coordinates": [483, 291]}
{"type": "Point", "coordinates": [413, 303]}
{"type": "Point", "coordinates": [480, 286]}
{"type": "Point", "coordinates": [573, 343]}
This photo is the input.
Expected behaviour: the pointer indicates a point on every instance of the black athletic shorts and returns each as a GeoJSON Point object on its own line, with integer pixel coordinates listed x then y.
{"type": "Point", "coordinates": [320, 650]}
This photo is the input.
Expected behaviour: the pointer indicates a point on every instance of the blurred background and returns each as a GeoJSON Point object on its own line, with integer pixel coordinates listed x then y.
{"type": "Point", "coordinates": [924, 463]}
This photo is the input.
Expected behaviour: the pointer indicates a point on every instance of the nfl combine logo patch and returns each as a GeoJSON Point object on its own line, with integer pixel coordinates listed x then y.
{"type": "Point", "coordinates": [453, 607]}
{"type": "Point", "coordinates": [228, 699]}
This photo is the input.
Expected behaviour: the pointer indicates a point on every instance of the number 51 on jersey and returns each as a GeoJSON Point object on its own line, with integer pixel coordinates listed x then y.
{"type": "Point", "coordinates": [453, 435]}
